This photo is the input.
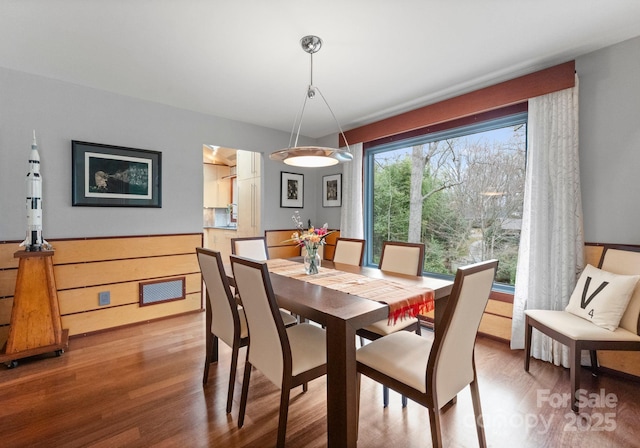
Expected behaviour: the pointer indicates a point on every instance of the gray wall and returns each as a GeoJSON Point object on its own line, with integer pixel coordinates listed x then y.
{"type": "Point", "coordinates": [610, 142]}
{"type": "Point", "coordinates": [61, 112]}
{"type": "Point", "coordinates": [274, 217]}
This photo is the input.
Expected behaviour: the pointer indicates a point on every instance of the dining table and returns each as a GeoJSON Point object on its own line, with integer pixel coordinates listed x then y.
{"type": "Point", "coordinates": [342, 314]}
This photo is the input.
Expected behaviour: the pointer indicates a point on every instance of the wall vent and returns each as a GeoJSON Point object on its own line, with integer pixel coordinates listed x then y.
{"type": "Point", "coordinates": [161, 291]}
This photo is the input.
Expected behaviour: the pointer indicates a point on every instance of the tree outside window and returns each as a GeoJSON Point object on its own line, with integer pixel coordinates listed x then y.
{"type": "Point", "coordinates": [459, 192]}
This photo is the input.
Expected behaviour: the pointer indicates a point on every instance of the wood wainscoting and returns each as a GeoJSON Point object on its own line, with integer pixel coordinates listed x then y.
{"type": "Point", "coordinates": [85, 267]}
{"type": "Point", "coordinates": [497, 318]}
{"type": "Point", "coordinates": [625, 362]}
{"type": "Point", "coordinates": [279, 247]}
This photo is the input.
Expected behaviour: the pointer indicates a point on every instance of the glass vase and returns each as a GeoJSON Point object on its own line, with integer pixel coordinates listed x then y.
{"type": "Point", "coordinates": [311, 262]}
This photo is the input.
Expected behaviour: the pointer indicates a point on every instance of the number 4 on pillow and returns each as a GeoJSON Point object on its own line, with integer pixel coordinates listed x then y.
{"type": "Point", "coordinates": [605, 303]}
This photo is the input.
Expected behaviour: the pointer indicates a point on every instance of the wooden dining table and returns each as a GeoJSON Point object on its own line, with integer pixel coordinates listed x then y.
{"type": "Point", "coordinates": [342, 315]}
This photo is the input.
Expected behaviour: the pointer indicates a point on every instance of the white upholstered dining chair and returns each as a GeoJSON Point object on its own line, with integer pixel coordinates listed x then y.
{"type": "Point", "coordinates": [225, 319]}
{"type": "Point", "coordinates": [349, 251]}
{"type": "Point", "coordinates": [430, 372]}
{"type": "Point", "coordinates": [254, 247]}
{"type": "Point", "coordinates": [288, 357]}
{"type": "Point", "coordinates": [620, 264]}
{"type": "Point", "coordinates": [400, 258]}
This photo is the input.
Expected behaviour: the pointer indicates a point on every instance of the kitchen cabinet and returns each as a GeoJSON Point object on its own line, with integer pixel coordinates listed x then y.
{"type": "Point", "coordinates": [217, 185]}
{"type": "Point", "coordinates": [249, 164]}
{"type": "Point", "coordinates": [248, 170]}
{"type": "Point", "coordinates": [220, 240]}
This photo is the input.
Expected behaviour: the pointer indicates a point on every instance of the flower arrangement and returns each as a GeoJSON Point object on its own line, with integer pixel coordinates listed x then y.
{"type": "Point", "coordinates": [311, 239]}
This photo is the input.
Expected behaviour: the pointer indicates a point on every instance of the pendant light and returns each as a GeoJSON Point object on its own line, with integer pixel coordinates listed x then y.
{"type": "Point", "coordinates": [311, 156]}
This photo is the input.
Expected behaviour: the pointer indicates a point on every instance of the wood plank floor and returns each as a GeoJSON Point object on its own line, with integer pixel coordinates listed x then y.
{"type": "Point", "coordinates": [142, 387]}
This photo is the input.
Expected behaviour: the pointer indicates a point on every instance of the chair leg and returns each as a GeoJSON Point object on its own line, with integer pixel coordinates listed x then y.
{"type": "Point", "coordinates": [575, 353]}
{"type": "Point", "coordinates": [245, 392]}
{"type": "Point", "coordinates": [404, 401]}
{"type": "Point", "coordinates": [207, 357]}
{"type": "Point", "coordinates": [434, 420]}
{"type": "Point", "coordinates": [284, 411]}
{"type": "Point", "coordinates": [358, 384]}
{"type": "Point", "coordinates": [214, 349]}
{"type": "Point", "coordinates": [385, 396]}
{"type": "Point", "coordinates": [594, 362]}
{"type": "Point", "coordinates": [232, 376]}
{"type": "Point", "coordinates": [527, 344]}
{"type": "Point", "coordinates": [477, 410]}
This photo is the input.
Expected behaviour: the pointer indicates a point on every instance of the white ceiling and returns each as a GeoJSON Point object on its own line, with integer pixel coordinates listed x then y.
{"type": "Point", "coordinates": [241, 59]}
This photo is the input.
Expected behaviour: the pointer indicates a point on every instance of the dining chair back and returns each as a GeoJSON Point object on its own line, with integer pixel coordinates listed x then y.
{"type": "Point", "coordinates": [254, 247]}
{"type": "Point", "coordinates": [225, 320]}
{"type": "Point", "coordinates": [287, 356]}
{"type": "Point", "coordinates": [349, 251]}
{"type": "Point", "coordinates": [402, 258]}
{"type": "Point", "coordinates": [432, 373]}
{"type": "Point", "coordinates": [625, 260]}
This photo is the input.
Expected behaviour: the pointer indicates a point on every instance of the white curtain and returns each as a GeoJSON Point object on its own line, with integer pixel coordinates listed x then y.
{"type": "Point", "coordinates": [351, 218]}
{"type": "Point", "coordinates": [551, 254]}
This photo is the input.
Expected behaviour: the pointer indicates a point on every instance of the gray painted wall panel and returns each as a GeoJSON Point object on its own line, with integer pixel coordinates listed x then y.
{"type": "Point", "coordinates": [610, 142]}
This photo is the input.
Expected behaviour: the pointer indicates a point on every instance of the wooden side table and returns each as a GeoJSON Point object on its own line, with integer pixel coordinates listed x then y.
{"type": "Point", "coordinates": [35, 326]}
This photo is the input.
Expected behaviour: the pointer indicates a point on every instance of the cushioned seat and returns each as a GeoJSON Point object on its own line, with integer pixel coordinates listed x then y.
{"type": "Point", "coordinates": [399, 349]}
{"type": "Point", "coordinates": [578, 328]}
{"type": "Point", "coordinates": [383, 327]}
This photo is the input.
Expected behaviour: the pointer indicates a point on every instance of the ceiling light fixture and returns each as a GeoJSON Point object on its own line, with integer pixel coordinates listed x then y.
{"type": "Point", "coordinates": [311, 156]}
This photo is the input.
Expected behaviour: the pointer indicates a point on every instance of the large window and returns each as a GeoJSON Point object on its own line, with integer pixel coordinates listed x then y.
{"type": "Point", "coordinates": [459, 191]}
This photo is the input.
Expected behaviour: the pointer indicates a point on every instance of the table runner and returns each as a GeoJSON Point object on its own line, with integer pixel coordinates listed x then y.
{"type": "Point", "coordinates": [402, 299]}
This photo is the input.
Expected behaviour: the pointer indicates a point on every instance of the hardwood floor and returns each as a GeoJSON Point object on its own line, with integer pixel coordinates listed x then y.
{"type": "Point", "coordinates": [142, 387]}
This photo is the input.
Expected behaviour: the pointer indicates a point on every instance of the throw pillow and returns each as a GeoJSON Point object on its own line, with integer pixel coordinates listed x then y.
{"type": "Point", "coordinates": [602, 297]}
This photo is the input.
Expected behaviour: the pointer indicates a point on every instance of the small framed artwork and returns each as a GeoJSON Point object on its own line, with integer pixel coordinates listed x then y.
{"type": "Point", "coordinates": [332, 190]}
{"type": "Point", "coordinates": [291, 190]}
{"type": "Point", "coordinates": [115, 176]}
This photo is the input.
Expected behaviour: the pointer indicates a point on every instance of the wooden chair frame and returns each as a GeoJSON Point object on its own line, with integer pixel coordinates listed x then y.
{"type": "Point", "coordinates": [577, 345]}
{"type": "Point", "coordinates": [211, 340]}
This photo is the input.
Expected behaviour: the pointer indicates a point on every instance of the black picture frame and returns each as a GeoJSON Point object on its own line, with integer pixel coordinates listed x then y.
{"type": "Point", "coordinates": [332, 190]}
{"type": "Point", "coordinates": [291, 190]}
{"type": "Point", "coordinates": [115, 176]}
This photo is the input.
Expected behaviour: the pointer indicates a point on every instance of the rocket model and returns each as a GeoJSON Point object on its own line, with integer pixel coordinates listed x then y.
{"type": "Point", "coordinates": [34, 242]}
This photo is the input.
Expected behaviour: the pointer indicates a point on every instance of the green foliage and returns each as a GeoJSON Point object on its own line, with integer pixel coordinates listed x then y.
{"type": "Point", "coordinates": [460, 223]}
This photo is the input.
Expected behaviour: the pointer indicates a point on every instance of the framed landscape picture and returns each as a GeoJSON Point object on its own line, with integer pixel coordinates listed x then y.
{"type": "Point", "coordinates": [291, 190]}
{"type": "Point", "coordinates": [115, 176]}
{"type": "Point", "coordinates": [332, 190]}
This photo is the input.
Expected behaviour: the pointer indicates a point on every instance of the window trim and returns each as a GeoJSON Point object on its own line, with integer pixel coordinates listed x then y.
{"type": "Point", "coordinates": [513, 91]}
